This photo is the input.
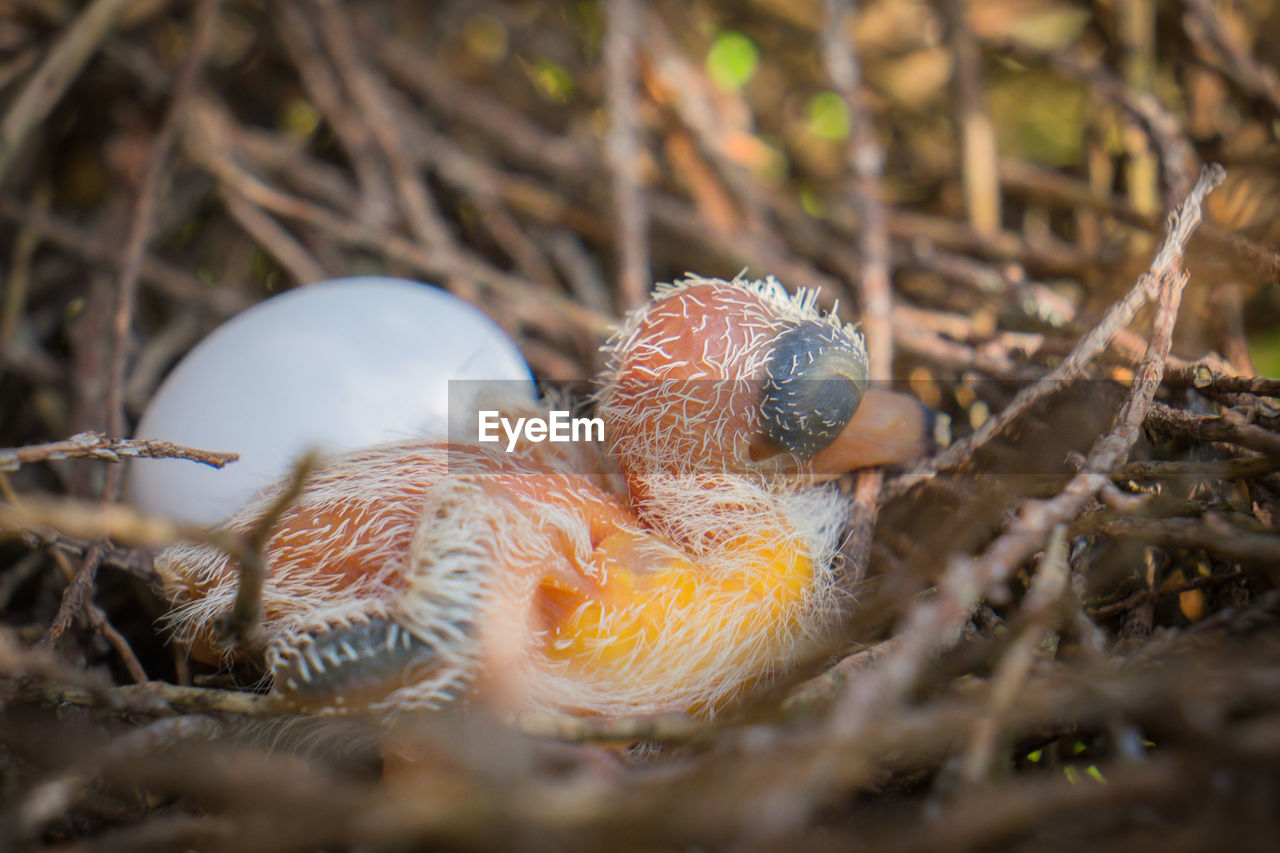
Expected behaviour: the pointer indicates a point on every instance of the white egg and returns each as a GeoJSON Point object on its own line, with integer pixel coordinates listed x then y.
{"type": "Point", "coordinates": [342, 364]}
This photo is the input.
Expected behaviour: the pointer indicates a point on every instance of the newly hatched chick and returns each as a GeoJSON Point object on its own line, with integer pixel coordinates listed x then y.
{"type": "Point", "coordinates": [416, 574]}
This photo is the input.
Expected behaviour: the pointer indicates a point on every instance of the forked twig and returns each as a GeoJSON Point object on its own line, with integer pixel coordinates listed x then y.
{"type": "Point", "coordinates": [936, 623]}
{"type": "Point", "coordinates": [1182, 222]}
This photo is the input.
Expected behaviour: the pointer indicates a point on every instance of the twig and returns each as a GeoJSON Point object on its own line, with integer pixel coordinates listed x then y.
{"type": "Point", "coordinates": [249, 550]}
{"type": "Point", "coordinates": [623, 151]}
{"type": "Point", "coordinates": [1039, 613]}
{"type": "Point", "coordinates": [1147, 595]}
{"type": "Point", "coordinates": [240, 625]}
{"type": "Point", "coordinates": [274, 238]}
{"type": "Point", "coordinates": [379, 115]}
{"type": "Point", "coordinates": [90, 521]}
{"type": "Point", "coordinates": [1223, 427]}
{"type": "Point", "coordinates": [19, 283]}
{"type": "Point", "coordinates": [725, 193]}
{"type": "Point", "coordinates": [821, 689]}
{"type": "Point", "coordinates": [664, 728]}
{"type": "Point", "coordinates": [168, 279]}
{"type": "Point", "coordinates": [75, 597]}
{"type": "Point", "coordinates": [1223, 469]}
{"type": "Point", "coordinates": [1208, 380]}
{"type": "Point", "coordinates": [979, 159]}
{"type": "Point", "coordinates": [935, 623]}
{"type": "Point", "coordinates": [1210, 532]}
{"type": "Point", "coordinates": [154, 697]}
{"type": "Point", "coordinates": [53, 798]}
{"type": "Point", "coordinates": [1182, 222]}
{"type": "Point", "coordinates": [1135, 27]}
{"type": "Point", "coordinates": [134, 562]}
{"type": "Point", "coordinates": [95, 615]}
{"type": "Point", "coordinates": [915, 338]}
{"type": "Point", "coordinates": [866, 160]}
{"type": "Point", "coordinates": [92, 445]}
{"type": "Point", "coordinates": [203, 28]}
{"type": "Point", "coordinates": [1204, 25]}
{"type": "Point", "coordinates": [208, 141]}
{"type": "Point", "coordinates": [1177, 156]}
{"type": "Point", "coordinates": [323, 87]}
{"type": "Point", "coordinates": [50, 81]}
{"type": "Point", "coordinates": [518, 136]}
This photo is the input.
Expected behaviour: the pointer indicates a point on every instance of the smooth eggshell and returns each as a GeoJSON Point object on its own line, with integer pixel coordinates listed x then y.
{"type": "Point", "coordinates": [337, 365]}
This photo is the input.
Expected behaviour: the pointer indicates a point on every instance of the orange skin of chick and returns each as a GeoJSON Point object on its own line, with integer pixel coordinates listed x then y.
{"type": "Point", "coordinates": [523, 580]}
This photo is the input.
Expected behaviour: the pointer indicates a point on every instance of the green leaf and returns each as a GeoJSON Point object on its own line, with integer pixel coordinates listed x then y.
{"type": "Point", "coordinates": [1264, 349]}
{"type": "Point", "coordinates": [812, 203]}
{"type": "Point", "coordinates": [554, 82]}
{"type": "Point", "coordinates": [732, 60]}
{"type": "Point", "coordinates": [827, 116]}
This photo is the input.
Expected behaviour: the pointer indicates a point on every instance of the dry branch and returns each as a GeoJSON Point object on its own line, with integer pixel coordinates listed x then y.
{"type": "Point", "coordinates": [50, 81]}
{"type": "Point", "coordinates": [92, 445]}
{"type": "Point", "coordinates": [937, 622]}
{"type": "Point", "coordinates": [1182, 222]}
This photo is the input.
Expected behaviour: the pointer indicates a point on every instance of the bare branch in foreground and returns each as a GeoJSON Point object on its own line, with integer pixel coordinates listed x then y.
{"type": "Point", "coordinates": [93, 445]}
{"type": "Point", "coordinates": [936, 623]}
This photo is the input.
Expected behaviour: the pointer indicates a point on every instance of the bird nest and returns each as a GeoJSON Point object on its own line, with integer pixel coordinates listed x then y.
{"type": "Point", "coordinates": [1067, 633]}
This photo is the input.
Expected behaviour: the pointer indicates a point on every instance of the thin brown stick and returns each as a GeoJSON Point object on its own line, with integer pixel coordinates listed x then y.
{"type": "Point", "coordinates": [295, 26]}
{"type": "Point", "coordinates": [379, 115]}
{"type": "Point", "coordinates": [936, 623]}
{"type": "Point", "coordinates": [240, 625]}
{"type": "Point", "coordinates": [1182, 222]}
{"type": "Point", "coordinates": [84, 520]}
{"type": "Point", "coordinates": [153, 698]}
{"type": "Point", "coordinates": [979, 158]}
{"type": "Point", "coordinates": [670, 728]}
{"type": "Point", "coordinates": [623, 151]}
{"type": "Point", "coordinates": [93, 445]}
{"type": "Point", "coordinates": [19, 283]}
{"type": "Point", "coordinates": [1039, 612]}
{"type": "Point", "coordinates": [97, 617]}
{"type": "Point", "coordinates": [275, 239]}
{"type": "Point", "coordinates": [208, 141]}
{"type": "Point", "coordinates": [1226, 427]}
{"type": "Point", "coordinates": [866, 158]}
{"type": "Point", "coordinates": [202, 33]}
{"type": "Point", "coordinates": [1148, 595]}
{"type": "Point", "coordinates": [1224, 469]}
{"type": "Point", "coordinates": [168, 279]}
{"type": "Point", "coordinates": [821, 689]}
{"type": "Point", "coordinates": [137, 563]}
{"type": "Point", "coordinates": [1177, 157]}
{"type": "Point", "coordinates": [75, 597]}
{"type": "Point", "coordinates": [1205, 26]}
{"type": "Point", "coordinates": [1208, 380]}
{"type": "Point", "coordinates": [517, 135]}
{"type": "Point", "coordinates": [50, 81]}
{"type": "Point", "coordinates": [54, 798]}
{"type": "Point", "coordinates": [1210, 532]}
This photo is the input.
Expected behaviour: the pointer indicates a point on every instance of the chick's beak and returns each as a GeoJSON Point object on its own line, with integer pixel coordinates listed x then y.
{"type": "Point", "coordinates": [888, 428]}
